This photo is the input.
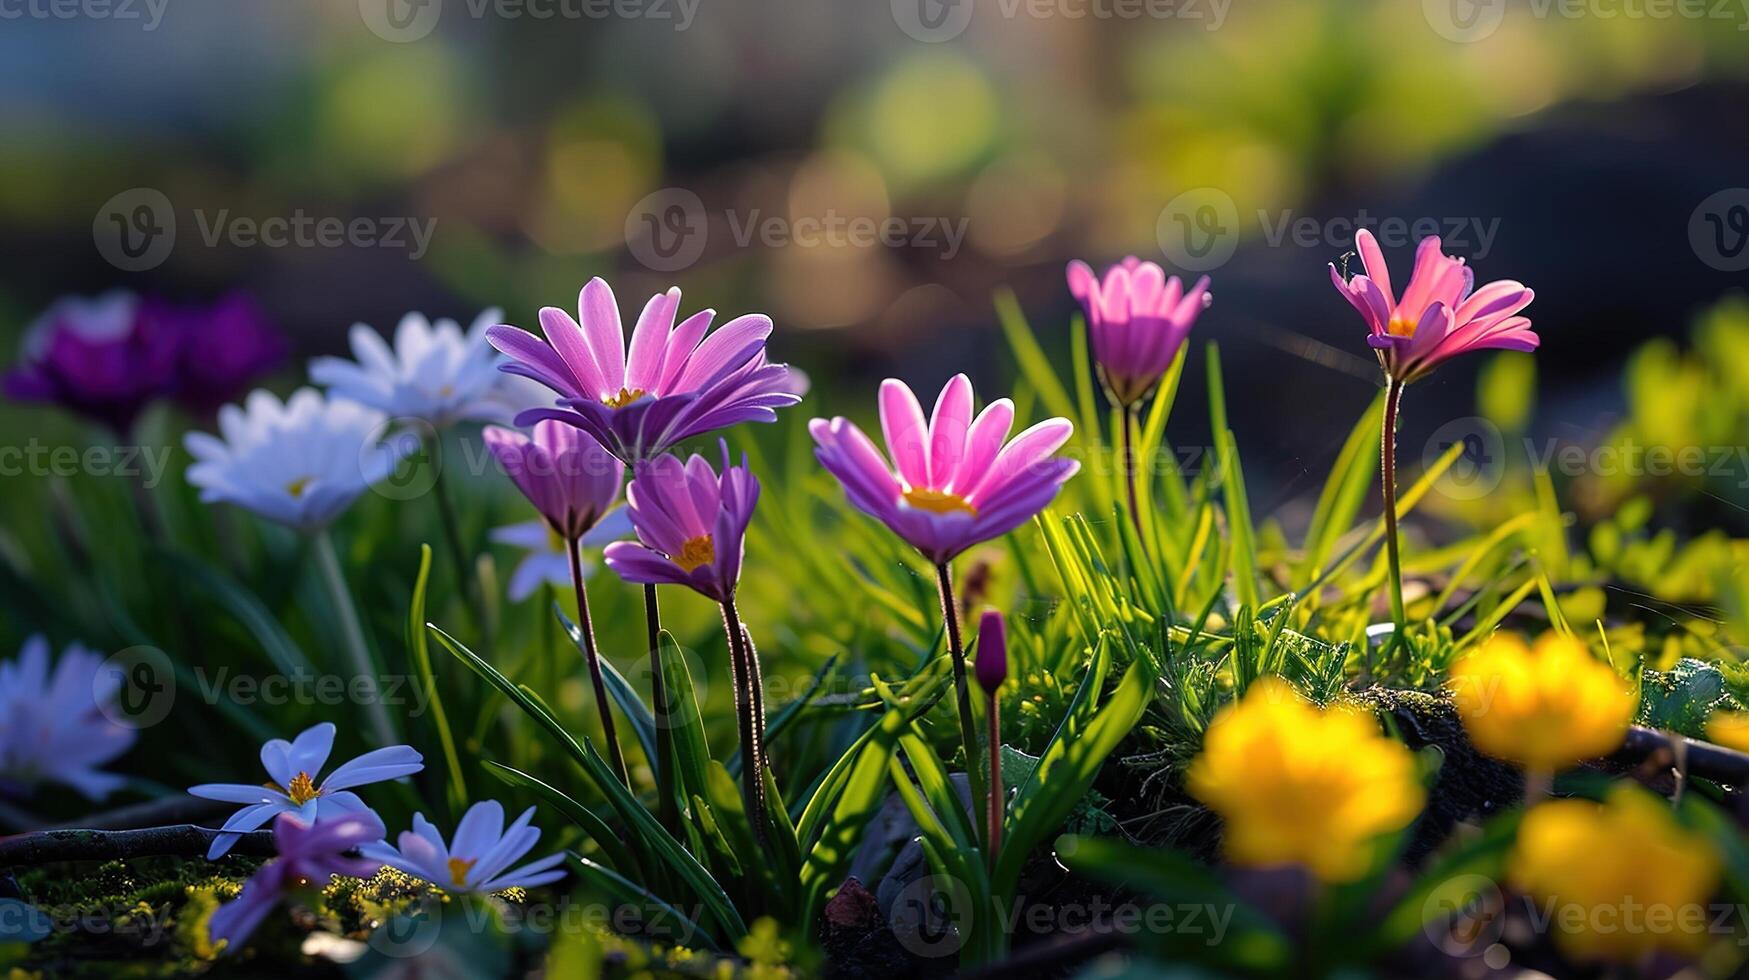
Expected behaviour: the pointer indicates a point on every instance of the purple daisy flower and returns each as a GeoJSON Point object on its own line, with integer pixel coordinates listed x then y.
{"type": "Point", "coordinates": [294, 767]}
{"type": "Point", "coordinates": [309, 854]}
{"type": "Point", "coordinates": [673, 383]}
{"type": "Point", "coordinates": [56, 724]}
{"type": "Point", "coordinates": [691, 525]}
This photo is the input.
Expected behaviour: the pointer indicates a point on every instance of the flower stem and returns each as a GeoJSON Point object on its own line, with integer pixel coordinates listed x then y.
{"type": "Point", "coordinates": [748, 711]}
{"type": "Point", "coordinates": [956, 649]}
{"type": "Point", "coordinates": [593, 658]}
{"type": "Point", "coordinates": [1130, 413]}
{"type": "Point", "coordinates": [667, 807]}
{"type": "Point", "coordinates": [1388, 461]}
{"type": "Point", "coordinates": [994, 808]}
{"type": "Point", "coordinates": [352, 635]}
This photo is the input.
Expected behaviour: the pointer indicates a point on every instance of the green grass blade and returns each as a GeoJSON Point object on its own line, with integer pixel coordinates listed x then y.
{"type": "Point", "coordinates": [420, 648]}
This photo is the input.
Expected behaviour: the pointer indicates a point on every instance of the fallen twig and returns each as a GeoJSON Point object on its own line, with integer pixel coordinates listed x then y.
{"type": "Point", "coordinates": [47, 846]}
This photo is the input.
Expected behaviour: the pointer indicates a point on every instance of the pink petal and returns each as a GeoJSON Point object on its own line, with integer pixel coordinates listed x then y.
{"type": "Point", "coordinates": [1373, 260]}
{"type": "Point", "coordinates": [983, 442]}
{"type": "Point", "coordinates": [567, 338]}
{"type": "Point", "coordinates": [1082, 282]}
{"type": "Point", "coordinates": [947, 429]}
{"type": "Point", "coordinates": [725, 350]}
{"type": "Point", "coordinates": [907, 437]}
{"type": "Point", "coordinates": [603, 333]}
{"type": "Point", "coordinates": [1019, 457]}
{"type": "Point", "coordinates": [681, 343]}
{"type": "Point", "coordinates": [650, 340]}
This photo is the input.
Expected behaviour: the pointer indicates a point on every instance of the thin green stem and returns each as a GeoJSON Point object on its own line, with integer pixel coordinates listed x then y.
{"type": "Point", "coordinates": [1388, 464]}
{"type": "Point", "coordinates": [747, 712]}
{"type": "Point", "coordinates": [593, 659]}
{"type": "Point", "coordinates": [994, 807]}
{"type": "Point", "coordinates": [1130, 413]}
{"type": "Point", "coordinates": [352, 635]}
{"type": "Point", "coordinates": [962, 691]}
{"type": "Point", "coordinates": [668, 808]}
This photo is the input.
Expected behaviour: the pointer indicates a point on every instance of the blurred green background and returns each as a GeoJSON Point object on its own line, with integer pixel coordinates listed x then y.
{"type": "Point", "coordinates": [1580, 146]}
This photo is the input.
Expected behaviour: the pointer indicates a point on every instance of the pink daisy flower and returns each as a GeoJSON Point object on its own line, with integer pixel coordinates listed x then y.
{"type": "Point", "coordinates": [954, 481]}
{"type": "Point", "coordinates": [691, 525]}
{"type": "Point", "coordinates": [1440, 314]}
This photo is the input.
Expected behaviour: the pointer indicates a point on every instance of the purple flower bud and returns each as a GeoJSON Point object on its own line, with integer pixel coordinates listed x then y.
{"type": "Point", "coordinates": [991, 667]}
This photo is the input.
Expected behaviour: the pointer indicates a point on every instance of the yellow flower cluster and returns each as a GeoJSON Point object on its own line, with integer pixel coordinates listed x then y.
{"type": "Point", "coordinates": [1299, 785]}
{"type": "Point", "coordinates": [1617, 880]}
{"type": "Point", "coordinates": [1544, 708]}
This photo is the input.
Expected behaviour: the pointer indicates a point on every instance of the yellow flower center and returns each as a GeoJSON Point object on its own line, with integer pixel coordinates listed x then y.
{"type": "Point", "coordinates": [302, 789]}
{"type": "Point", "coordinates": [1400, 327]}
{"type": "Point", "coordinates": [695, 552]}
{"type": "Point", "coordinates": [625, 397]}
{"type": "Point", "coordinates": [458, 871]}
{"type": "Point", "coordinates": [297, 487]}
{"type": "Point", "coordinates": [939, 501]}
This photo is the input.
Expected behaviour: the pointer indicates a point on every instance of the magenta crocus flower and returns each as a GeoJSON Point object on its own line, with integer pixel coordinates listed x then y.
{"type": "Point", "coordinates": [1439, 316]}
{"type": "Point", "coordinates": [673, 383]}
{"type": "Point", "coordinates": [226, 346]}
{"type": "Point", "coordinates": [1137, 318]}
{"type": "Point", "coordinates": [691, 525]}
{"type": "Point", "coordinates": [563, 471]}
{"type": "Point", "coordinates": [953, 483]}
{"type": "Point", "coordinates": [98, 358]}
{"type": "Point", "coordinates": [309, 854]}
{"type": "Point", "coordinates": [110, 357]}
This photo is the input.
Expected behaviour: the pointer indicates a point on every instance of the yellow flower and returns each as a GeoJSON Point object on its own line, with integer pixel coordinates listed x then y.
{"type": "Point", "coordinates": [1543, 709]}
{"type": "Point", "coordinates": [1730, 729]}
{"type": "Point", "coordinates": [1296, 785]}
{"type": "Point", "coordinates": [1617, 880]}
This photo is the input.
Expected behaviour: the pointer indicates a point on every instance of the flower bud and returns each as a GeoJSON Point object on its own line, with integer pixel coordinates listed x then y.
{"type": "Point", "coordinates": [991, 666]}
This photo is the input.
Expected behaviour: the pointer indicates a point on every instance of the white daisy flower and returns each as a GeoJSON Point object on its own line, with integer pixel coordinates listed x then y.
{"type": "Point", "coordinates": [301, 463]}
{"type": "Point", "coordinates": [55, 724]}
{"type": "Point", "coordinates": [547, 562]}
{"type": "Point", "coordinates": [434, 372]}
